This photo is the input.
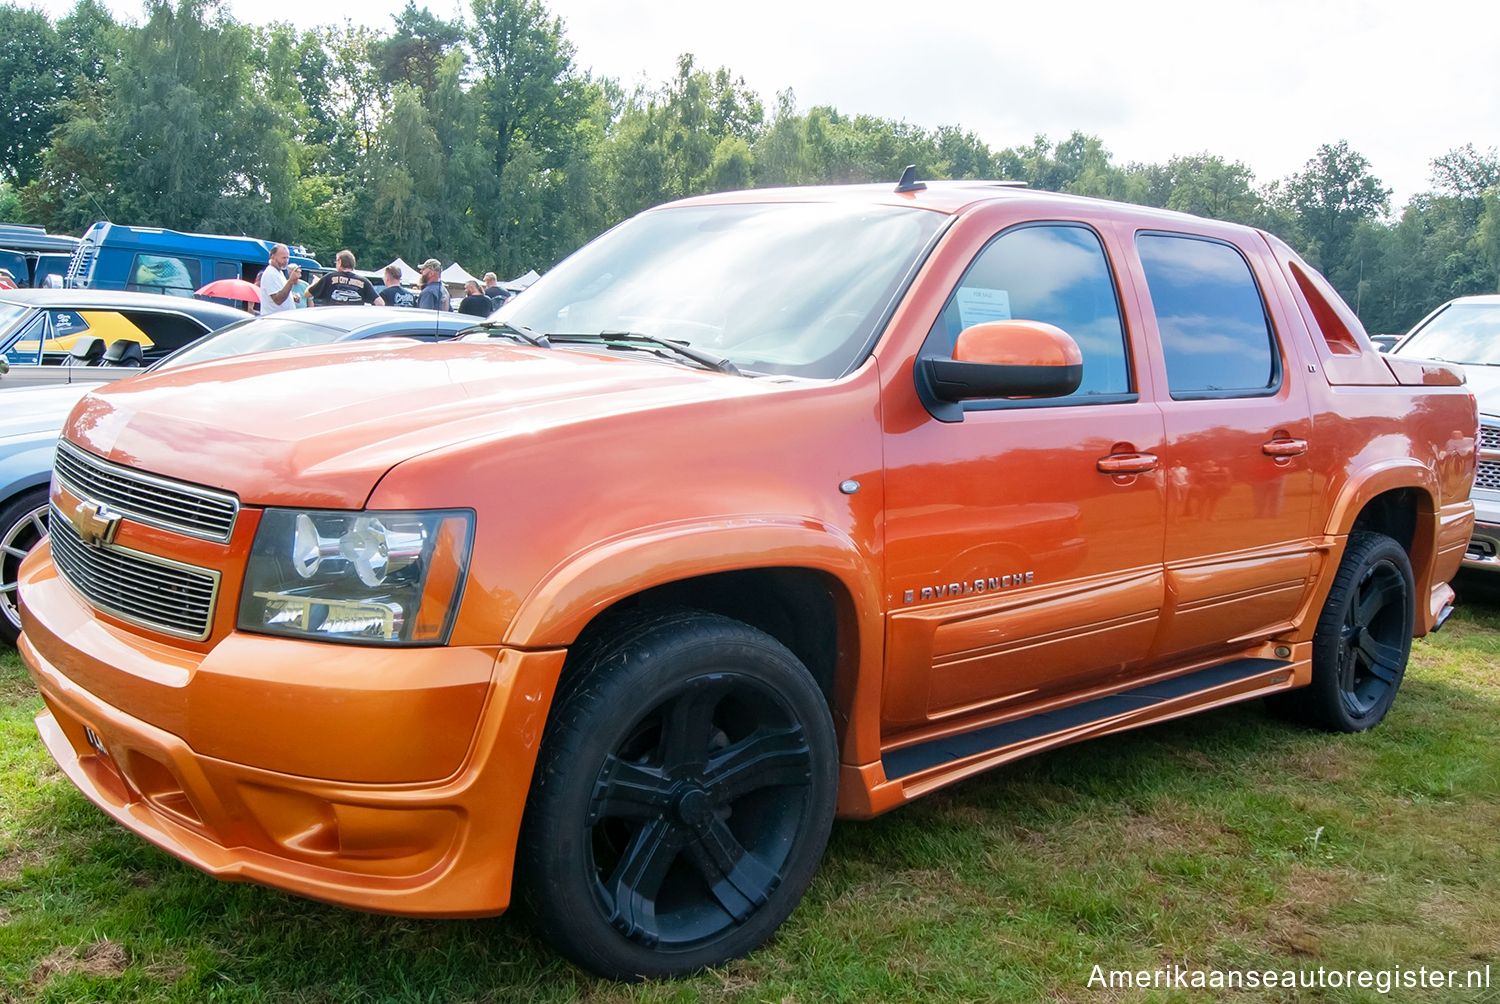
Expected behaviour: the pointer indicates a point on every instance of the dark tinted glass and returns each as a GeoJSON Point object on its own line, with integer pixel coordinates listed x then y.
{"type": "Point", "coordinates": [1213, 324]}
{"type": "Point", "coordinates": [1055, 274]}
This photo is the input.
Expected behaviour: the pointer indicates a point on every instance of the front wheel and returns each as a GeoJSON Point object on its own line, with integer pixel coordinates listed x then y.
{"type": "Point", "coordinates": [1363, 639]}
{"type": "Point", "coordinates": [23, 522]}
{"type": "Point", "coordinates": [682, 797]}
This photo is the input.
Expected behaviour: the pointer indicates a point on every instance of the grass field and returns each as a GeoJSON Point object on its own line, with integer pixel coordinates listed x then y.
{"type": "Point", "coordinates": [1229, 840]}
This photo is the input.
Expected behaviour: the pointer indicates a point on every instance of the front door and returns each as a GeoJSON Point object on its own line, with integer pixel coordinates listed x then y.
{"type": "Point", "coordinates": [1018, 567]}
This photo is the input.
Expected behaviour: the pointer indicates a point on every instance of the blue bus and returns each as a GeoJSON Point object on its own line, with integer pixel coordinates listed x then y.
{"type": "Point", "coordinates": [151, 260]}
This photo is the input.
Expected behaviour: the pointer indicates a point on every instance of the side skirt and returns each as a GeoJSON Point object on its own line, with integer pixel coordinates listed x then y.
{"type": "Point", "coordinates": [924, 766]}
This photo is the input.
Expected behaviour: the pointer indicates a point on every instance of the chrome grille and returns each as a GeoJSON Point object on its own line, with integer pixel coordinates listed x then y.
{"type": "Point", "coordinates": [1489, 437]}
{"type": "Point", "coordinates": [169, 505]}
{"type": "Point", "coordinates": [1488, 476]}
{"type": "Point", "coordinates": [153, 592]}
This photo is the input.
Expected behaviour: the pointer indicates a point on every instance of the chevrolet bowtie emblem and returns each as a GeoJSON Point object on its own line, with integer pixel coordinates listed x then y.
{"type": "Point", "coordinates": [95, 524]}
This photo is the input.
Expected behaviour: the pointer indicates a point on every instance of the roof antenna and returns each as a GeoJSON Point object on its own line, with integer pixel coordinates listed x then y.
{"type": "Point", "coordinates": [909, 182]}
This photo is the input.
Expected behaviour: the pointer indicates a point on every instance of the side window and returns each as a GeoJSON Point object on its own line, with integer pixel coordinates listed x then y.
{"type": "Point", "coordinates": [165, 332]}
{"type": "Point", "coordinates": [67, 325]}
{"type": "Point", "coordinates": [25, 349]}
{"type": "Point", "coordinates": [226, 270]}
{"type": "Point", "coordinates": [1215, 335]}
{"type": "Point", "coordinates": [159, 273]}
{"type": "Point", "coordinates": [1056, 273]}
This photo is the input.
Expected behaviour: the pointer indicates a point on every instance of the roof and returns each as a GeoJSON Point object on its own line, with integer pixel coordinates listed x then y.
{"type": "Point", "coordinates": [947, 197]}
{"type": "Point", "coordinates": [15, 237]}
{"type": "Point", "coordinates": [107, 299]}
{"type": "Point", "coordinates": [119, 235]}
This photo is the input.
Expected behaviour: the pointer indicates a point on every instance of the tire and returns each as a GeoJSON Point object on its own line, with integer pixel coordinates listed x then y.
{"type": "Point", "coordinates": [23, 521]}
{"type": "Point", "coordinates": [1362, 641]}
{"type": "Point", "coordinates": [682, 798]}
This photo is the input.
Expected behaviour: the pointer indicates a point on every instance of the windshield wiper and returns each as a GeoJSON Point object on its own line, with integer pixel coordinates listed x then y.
{"type": "Point", "coordinates": [521, 331]}
{"type": "Point", "coordinates": [680, 349]}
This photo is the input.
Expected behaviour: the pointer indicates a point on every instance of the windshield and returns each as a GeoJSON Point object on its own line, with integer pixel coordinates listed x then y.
{"type": "Point", "coordinates": [1461, 333]}
{"type": "Point", "coordinates": [9, 315]}
{"type": "Point", "coordinates": [259, 334]}
{"type": "Point", "coordinates": [795, 288]}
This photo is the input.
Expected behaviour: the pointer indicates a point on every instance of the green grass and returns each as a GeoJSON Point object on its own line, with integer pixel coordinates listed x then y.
{"type": "Point", "coordinates": [1228, 840]}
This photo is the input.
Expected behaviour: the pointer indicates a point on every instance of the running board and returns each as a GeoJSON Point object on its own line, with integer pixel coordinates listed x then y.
{"type": "Point", "coordinates": [924, 756]}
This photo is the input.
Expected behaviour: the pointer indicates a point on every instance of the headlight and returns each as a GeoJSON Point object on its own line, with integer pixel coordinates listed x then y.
{"type": "Point", "coordinates": [382, 578]}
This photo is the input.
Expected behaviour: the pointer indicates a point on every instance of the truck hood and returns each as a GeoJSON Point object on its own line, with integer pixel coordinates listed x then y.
{"type": "Point", "coordinates": [38, 411]}
{"type": "Point", "coordinates": [320, 427]}
{"type": "Point", "coordinates": [1484, 381]}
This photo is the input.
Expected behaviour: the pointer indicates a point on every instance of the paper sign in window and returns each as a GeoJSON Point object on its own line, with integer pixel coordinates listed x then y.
{"type": "Point", "coordinates": [977, 305]}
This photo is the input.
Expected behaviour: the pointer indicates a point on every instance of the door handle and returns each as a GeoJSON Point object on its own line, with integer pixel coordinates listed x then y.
{"type": "Point", "coordinates": [1127, 463]}
{"type": "Point", "coordinates": [1285, 448]}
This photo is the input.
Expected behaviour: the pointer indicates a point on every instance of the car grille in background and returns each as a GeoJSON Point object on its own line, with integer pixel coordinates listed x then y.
{"type": "Point", "coordinates": [152, 592]}
{"type": "Point", "coordinates": [1489, 437]}
{"type": "Point", "coordinates": [169, 505]}
{"type": "Point", "coordinates": [1488, 476]}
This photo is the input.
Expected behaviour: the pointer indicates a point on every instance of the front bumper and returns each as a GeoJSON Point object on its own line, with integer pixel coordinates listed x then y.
{"type": "Point", "coordinates": [1484, 546]}
{"type": "Point", "coordinates": [440, 848]}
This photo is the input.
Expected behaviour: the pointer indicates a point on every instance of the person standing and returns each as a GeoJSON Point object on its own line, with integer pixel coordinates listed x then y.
{"type": "Point", "coordinates": [493, 290]}
{"type": "Point", "coordinates": [475, 302]}
{"type": "Point", "coordinates": [342, 286]}
{"type": "Point", "coordinates": [395, 294]}
{"type": "Point", "coordinates": [277, 280]}
{"type": "Point", "coordinates": [434, 294]}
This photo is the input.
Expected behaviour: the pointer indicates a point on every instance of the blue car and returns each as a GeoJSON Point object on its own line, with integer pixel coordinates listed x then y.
{"type": "Point", "coordinates": [32, 417]}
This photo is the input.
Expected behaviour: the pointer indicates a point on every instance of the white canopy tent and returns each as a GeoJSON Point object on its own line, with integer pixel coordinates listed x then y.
{"type": "Point", "coordinates": [409, 275]}
{"type": "Point", "coordinates": [521, 282]}
{"type": "Point", "coordinates": [457, 275]}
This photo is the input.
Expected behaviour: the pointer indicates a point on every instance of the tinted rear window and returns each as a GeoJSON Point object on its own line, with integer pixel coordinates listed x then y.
{"type": "Point", "coordinates": [1214, 332]}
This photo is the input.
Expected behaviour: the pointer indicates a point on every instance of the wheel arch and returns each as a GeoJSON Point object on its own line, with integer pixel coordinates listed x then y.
{"type": "Point", "coordinates": [1400, 499]}
{"type": "Point", "coordinates": [803, 582]}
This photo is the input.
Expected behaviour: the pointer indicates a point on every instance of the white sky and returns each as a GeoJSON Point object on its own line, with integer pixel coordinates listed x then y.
{"type": "Point", "coordinates": [1263, 81]}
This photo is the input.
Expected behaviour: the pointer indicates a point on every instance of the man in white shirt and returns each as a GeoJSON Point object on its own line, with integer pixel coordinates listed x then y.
{"type": "Point", "coordinates": [276, 284]}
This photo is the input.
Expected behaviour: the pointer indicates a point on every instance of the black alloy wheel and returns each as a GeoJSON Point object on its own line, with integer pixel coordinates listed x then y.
{"type": "Point", "coordinates": [1362, 642]}
{"type": "Point", "coordinates": [23, 523]}
{"type": "Point", "coordinates": [682, 798]}
{"type": "Point", "coordinates": [1374, 639]}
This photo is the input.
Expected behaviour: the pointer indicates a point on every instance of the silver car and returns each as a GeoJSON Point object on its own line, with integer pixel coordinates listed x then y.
{"type": "Point", "coordinates": [31, 417]}
{"type": "Point", "coordinates": [1467, 331]}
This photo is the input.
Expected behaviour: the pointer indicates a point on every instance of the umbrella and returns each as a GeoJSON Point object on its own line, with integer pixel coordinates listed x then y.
{"type": "Point", "coordinates": [232, 289]}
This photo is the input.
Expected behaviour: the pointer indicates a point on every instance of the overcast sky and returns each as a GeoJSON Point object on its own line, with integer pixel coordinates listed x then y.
{"type": "Point", "coordinates": [1264, 82]}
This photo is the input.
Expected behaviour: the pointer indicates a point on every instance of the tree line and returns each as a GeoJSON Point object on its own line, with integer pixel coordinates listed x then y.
{"type": "Point", "coordinates": [483, 141]}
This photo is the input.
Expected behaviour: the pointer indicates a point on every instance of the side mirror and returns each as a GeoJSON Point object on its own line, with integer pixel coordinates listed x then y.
{"type": "Point", "coordinates": [1006, 359]}
{"type": "Point", "coordinates": [1384, 343]}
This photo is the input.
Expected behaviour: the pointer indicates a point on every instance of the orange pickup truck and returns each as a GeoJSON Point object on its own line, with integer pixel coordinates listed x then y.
{"type": "Point", "coordinates": [761, 508]}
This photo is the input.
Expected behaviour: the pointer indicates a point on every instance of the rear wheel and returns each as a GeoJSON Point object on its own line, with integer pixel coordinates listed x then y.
{"type": "Point", "coordinates": [23, 522]}
{"type": "Point", "coordinates": [682, 797]}
{"type": "Point", "coordinates": [1362, 642]}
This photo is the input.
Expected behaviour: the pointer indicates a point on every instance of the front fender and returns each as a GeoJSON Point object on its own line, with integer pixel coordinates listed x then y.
{"type": "Point", "coordinates": [28, 467]}
{"type": "Point", "coordinates": [575, 591]}
{"type": "Point", "coordinates": [556, 611]}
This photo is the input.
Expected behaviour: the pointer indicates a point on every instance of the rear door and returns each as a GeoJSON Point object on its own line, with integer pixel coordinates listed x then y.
{"type": "Point", "coordinates": [1238, 556]}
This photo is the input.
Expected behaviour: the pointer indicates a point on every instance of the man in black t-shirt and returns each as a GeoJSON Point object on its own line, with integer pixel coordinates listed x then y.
{"type": "Point", "coordinates": [342, 287]}
{"type": "Point", "coordinates": [395, 294]}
